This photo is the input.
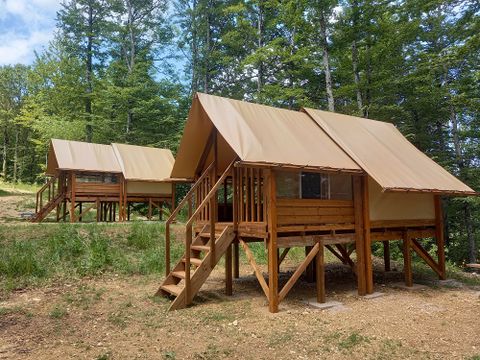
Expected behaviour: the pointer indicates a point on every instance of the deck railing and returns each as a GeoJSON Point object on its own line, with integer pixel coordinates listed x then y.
{"type": "Point", "coordinates": [52, 188]}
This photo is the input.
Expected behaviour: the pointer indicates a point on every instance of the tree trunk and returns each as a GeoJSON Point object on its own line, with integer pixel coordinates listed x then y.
{"type": "Point", "coordinates": [15, 156]}
{"type": "Point", "coordinates": [206, 75]}
{"type": "Point", "coordinates": [366, 105]}
{"type": "Point", "coordinates": [260, 29]}
{"type": "Point", "coordinates": [88, 97]}
{"type": "Point", "coordinates": [326, 61]}
{"type": "Point", "coordinates": [4, 160]}
{"type": "Point", "coordinates": [194, 49]}
{"type": "Point", "coordinates": [130, 63]}
{"type": "Point", "coordinates": [356, 75]}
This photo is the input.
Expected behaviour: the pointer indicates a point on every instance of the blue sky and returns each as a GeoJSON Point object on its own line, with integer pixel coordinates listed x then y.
{"type": "Point", "coordinates": [25, 26]}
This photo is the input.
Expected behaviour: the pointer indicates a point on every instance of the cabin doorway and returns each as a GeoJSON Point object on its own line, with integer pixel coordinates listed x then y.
{"type": "Point", "coordinates": [225, 201]}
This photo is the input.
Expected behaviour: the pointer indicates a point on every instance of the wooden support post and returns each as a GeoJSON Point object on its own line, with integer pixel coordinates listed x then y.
{"type": "Point", "coordinates": [149, 216]}
{"type": "Point", "coordinates": [272, 244]}
{"type": "Point", "coordinates": [407, 259]}
{"type": "Point", "coordinates": [80, 217]}
{"type": "Point", "coordinates": [366, 237]}
{"type": "Point", "coordinates": [310, 271]}
{"type": "Point", "coordinates": [386, 255]}
{"type": "Point", "coordinates": [236, 260]}
{"type": "Point", "coordinates": [72, 197]}
{"type": "Point", "coordinates": [320, 272]}
{"type": "Point", "coordinates": [359, 234]}
{"type": "Point", "coordinates": [172, 202]}
{"type": "Point", "coordinates": [99, 209]}
{"type": "Point", "coordinates": [128, 211]}
{"type": "Point", "coordinates": [440, 236]}
{"type": "Point", "coordinates": [228, 271]}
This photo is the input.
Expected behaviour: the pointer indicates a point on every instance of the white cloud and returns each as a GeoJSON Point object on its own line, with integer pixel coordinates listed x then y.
{"type": "Point", "coordinates": [26, 26]}
{"type": "Point", "coordinates": [16, 49]}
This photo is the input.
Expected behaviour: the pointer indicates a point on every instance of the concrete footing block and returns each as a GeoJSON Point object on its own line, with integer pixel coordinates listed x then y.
{"type": "Point", "coordinates": [414, 287]}
{"type": "Point", "coordinates": [374, 295]}
{"type": "Point", "coordinates": [325, 305]}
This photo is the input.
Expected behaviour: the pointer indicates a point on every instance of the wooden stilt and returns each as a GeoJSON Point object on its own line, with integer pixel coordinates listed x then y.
{"type": "Point", "coordinates": [320, 272]}
{"type": "Point", "coordinates": [310, 271]}
{"type": "Point", "coordinates": [386, 255]}
{"type": "Point", "coordinates": [228, 271]}
{"type": "Point", "coordinates": [128, 211]}
{"type": "Point", "coordinates": [272, 245]}
{"type": "Point", "coordinates": [149, 216]}
{"type": "Point", "coordinates": [440, 236]}
{"type": "Point", "coordinates": [72, 198]}
{"type": "Point", "coordinates": [407, 259]}
{"type": "Point", "coordinates": [359, 234]}
{"type": "Point", "coordinates": [366, 237]}
{"type": "Point", "coordinates": [80, 217]}
{"type": "Point", "coordinates": [236, 260]}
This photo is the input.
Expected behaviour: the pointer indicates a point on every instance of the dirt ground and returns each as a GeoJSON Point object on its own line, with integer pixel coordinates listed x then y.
{"type": "Point", "coordinates": [118, 318]}
{"type": "Point", "coordinates": [12, 205]}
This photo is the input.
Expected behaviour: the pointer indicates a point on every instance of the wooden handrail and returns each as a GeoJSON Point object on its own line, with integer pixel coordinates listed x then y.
{"type": "Point", "coordinates": [39, 195]}
{"type": "Point", "coordinates": [212, 191]}
{"type": "Point", "coordinates": [174, 214]}
{"type": "Point", "coordinates": [189, 230]}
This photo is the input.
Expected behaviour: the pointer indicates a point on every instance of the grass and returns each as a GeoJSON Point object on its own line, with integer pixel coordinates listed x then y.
{"type": "Point", "coordinates": [8, 188]}
{"type": "Point", "coordinates": [33, 255]}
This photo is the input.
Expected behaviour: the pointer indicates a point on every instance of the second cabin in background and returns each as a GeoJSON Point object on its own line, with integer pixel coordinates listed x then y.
{"type": "Point", "coordinates": [86, 176]}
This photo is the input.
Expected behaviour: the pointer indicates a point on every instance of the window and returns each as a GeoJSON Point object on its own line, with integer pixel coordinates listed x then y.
{"type": "Point", "coordinates": [97, 178]}
{"type": "Point", "coordinates": [288, 185]}
{"type": "Point", "coordinates": [309, 185]}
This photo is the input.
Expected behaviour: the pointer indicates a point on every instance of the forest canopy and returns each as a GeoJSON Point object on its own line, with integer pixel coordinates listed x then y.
{"type": "Point", "coordinates": [125, 71]}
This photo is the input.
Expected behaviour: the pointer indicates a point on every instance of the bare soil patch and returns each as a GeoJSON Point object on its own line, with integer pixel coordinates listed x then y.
{"type": "Point", "coordinates": [117, 317]}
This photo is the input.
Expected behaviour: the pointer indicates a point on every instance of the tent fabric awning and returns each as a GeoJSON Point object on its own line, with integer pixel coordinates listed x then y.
{"type": "Point", "coordinates": [144, 163]}
{"type": "Point", "coordinates": [258, 134]}
{"type": "Point", "coordinates": [387, 156]}
{"type": "Point", "coordinates": [81, 156]}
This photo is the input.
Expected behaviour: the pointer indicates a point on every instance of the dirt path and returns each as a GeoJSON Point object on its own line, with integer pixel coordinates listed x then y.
{"type": "Point", "coordinates": [117, 318]}
{"type": "Point", "coordinates": [12, 205]}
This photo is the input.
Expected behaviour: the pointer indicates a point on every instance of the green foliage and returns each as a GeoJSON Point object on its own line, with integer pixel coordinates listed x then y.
{"type": "Point", "coordinates": [73, 251]}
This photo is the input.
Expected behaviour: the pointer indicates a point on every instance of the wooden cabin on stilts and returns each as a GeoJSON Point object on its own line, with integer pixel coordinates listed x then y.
{"type": "Point", "coordinates": [108, 178]}
{"type": "Point", "coordinates": [312, 179]}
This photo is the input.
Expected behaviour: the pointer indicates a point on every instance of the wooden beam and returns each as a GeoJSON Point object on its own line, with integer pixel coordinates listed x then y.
{"type": "Point", "coordinates": [366, 237]}
{"type": "Point", "coordinates": [359, 234]}
{"type": "Point", "coordinates": [320, 272]}
{"type": "Point", "coordinates": [407, 259]}
{"type": "Point", "coordinates": [298, 272]}
{"type": "Point", "coordinates": [283, 255]}
{"type": "Point", "coordinates": [386, 255]}
{"type": "Point", "coordinates": [228, 271]}
{"type": "Point", "coordinates": [440, 236]}
{"type": "Point", "coordinates": [256, 270]}
{"type": "Point", "coordinates": [417, 247]}
{"type": "Point", "coordinates": [236, 260]}
{"type": "Point", "coordinates": [72, 197]}
{"type": "Point", "coordinates": [273, 297]}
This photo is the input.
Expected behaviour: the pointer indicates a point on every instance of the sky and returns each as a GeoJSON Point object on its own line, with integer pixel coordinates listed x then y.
{"type": "Point", "coordinates": [26, 26]}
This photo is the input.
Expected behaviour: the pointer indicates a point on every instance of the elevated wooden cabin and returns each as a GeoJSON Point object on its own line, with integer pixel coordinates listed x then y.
{"type": "Point", "coordinates": [85, 176]}
{"type": "Point", "coordinates": [310, 179]}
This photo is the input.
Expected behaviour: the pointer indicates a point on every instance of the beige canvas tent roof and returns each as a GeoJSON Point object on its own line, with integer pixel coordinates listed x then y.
{"type": "Point", "coordinates": [258, 134]}
{"type": "Point", "coordinates": [144, 163]}
{"type": "Point", "coordinates": [137, 163]}
{"type": "Point", "coordinates": [386, 155]}
{"type": "Point", "coordinates": [77, 155]}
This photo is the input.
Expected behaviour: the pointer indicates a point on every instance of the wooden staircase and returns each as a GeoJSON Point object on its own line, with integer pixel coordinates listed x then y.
{"type": "Point", "coordinates": [203, 251]}
{"type": "Point", "coordinates": [202, 261]}
{"type": "Point", "coordinates": [52, 193]}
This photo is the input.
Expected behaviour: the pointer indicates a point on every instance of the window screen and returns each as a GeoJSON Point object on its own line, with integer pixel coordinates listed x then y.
{"type": "Point", "coordinates": [288, 185]}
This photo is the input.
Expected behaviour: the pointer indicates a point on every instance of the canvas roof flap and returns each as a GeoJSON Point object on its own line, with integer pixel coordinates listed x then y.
{"type": "Point", "coordinates": [387, 156]}
{"type": "Point", "coordinates": [258, 134]}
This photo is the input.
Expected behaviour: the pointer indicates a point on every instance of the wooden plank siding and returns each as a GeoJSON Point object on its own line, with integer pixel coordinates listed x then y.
{"type": "Point", "coordinates": [311, 214]}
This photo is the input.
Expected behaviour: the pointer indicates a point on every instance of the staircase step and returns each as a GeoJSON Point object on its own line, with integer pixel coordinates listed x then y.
{"type": "Point", "coordinates": [172, 289]}
{"type": "Point", "coordinates": [201, 247]}
{"type": "Point", "coordinates": [194, 261]}
{"type": "Point", "coordinates": [179, 274]}
{"type": "Point", "coordinates": [207, 235]}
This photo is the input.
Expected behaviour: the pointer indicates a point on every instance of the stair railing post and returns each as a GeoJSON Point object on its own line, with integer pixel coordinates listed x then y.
{"type": "Point", "coordinates": [213, 215]}
{"type": "Point", "coordinates": [188, 243]}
